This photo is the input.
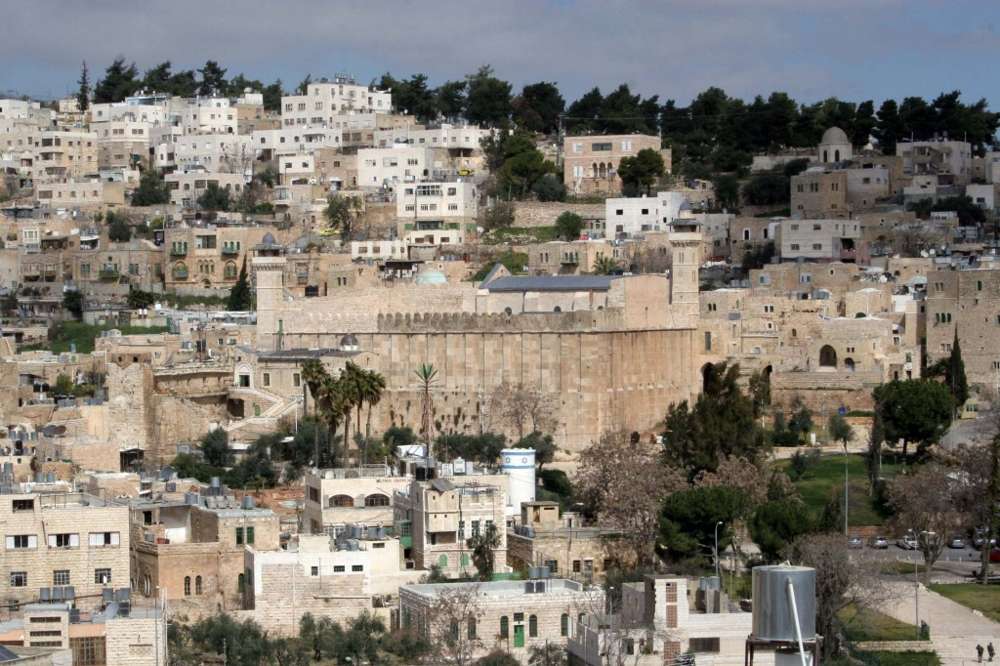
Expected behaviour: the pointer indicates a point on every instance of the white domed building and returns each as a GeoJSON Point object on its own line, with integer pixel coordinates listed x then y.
{"type": "Point", "coordinates": [834, 147]}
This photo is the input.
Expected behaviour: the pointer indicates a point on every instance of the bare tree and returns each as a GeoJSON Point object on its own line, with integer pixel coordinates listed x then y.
{"type": "Point", "coordinates": [624, 485]}
{"type": "Point", "coordinates": [910, 240]}
{"type": "Point", "coordinates": [843, 578]}
{"type": "Point", "coordinates": [926, 503]}
{"type": "Point", "coordinates": [977, 494]}
{"type": "Point", "coordinates": [522, 409]}
{"type": "Point", "coordinates": [454, 624]}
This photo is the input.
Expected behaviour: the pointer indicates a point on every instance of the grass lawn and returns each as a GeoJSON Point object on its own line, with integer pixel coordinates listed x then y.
{"type": "Point", "coordinates": [825, 479]}
{"type": "Point", "coordinates": [899, 658]}
{"type": "Point", "coordinates": [870, 625]}
{"type": "Point", "coordinates": [66, 333]}
{"type": "Point", "coordinates": [984, 598]}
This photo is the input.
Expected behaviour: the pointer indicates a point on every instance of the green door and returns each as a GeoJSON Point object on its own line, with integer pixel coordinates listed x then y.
{"type": "Point", "coordinates": [519, 635]}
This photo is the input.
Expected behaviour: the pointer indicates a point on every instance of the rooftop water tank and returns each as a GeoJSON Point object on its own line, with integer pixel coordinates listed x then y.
{"type": "Point", "coordinates": [772, 610]}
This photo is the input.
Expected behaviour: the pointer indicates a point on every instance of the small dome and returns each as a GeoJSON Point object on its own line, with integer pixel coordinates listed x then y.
{"type": "Point", "coordinates": [431, 277]}
{"type": "Point", "coordinates": [268, 239]}
{"type": "Point", "coordinates": [348, 342]}
{"type": "Point", "coordinates": [834, 136]}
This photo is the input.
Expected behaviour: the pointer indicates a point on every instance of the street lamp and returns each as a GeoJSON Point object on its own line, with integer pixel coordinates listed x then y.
{"type": "Point", "coordinates": [717, 550]}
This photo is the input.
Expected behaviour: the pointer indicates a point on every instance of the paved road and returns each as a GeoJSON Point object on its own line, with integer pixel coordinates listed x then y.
{"type": "Point", "coordinates": [955, 629]}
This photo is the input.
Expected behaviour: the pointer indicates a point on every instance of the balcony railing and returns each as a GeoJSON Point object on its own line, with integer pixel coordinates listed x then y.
{"type": "Point", "coordinates": [229, 251]}
{"type": "Point", "coordinates": [178, 251]}
{"type": "Point", "coordinates": [109, 274]}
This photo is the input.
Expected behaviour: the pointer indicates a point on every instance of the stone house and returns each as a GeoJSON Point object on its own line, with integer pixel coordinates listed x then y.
{"type": "Point", "coordinates": [590, 163]}
{"type": "Point", "coordinates": [513, 616]}
{"type": "Point", "coordinates": [192, 552]}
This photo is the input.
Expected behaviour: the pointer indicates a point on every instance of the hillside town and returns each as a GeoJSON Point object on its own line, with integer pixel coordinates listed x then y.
{"type": "Point", "coordinates": [473, 373]}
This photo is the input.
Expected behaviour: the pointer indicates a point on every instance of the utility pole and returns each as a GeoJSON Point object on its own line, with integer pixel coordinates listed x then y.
{"type": "Point", "coordinates": [846, 459]}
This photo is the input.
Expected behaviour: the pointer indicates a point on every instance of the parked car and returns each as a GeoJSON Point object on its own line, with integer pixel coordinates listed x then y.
{"type": "Point", "coordinates": [956, 542]}
{"type": "Point", "coordinates": [979, 538]}
{"type": "Point", "coordinates": [879, 542]}
{"type": "Point", "coordinates": [995, 555]}
{"type": "Point", "coordinates": [907, 542]}
{"type": "Point", "coordinates": [855, 542]}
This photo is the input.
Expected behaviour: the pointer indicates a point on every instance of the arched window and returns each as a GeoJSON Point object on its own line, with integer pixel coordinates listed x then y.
{"type": "Point", "coordinates": [240, 583]}
{"type": "Point", "coordinates": [187, 586]}
{"type": "Point", "coordinates": [377, 499]}
{"type": "Point", "coordinates": [795, 333]}
{"type": "Point", "coordinates": [557, 309]}
{"type": "Point", "coordinates": [533, 626]}
{"type": "Point", "coordinates": [826, 156]}
{"type": "Point", "coordinates": [504, 627]}
{"type": "Point", "coordinates": [472, 628]}
{"type": "Point", "coordinates": [197, 585]}
{"type": "Point", "coordinates": [230, 270]}
{"type": "Point", "coordinates": [860, 315]}
{"type": "Point", "coordinates": [453, 630]}
{"type": "Point", "coordinates": [564, 625]}
{"type": "Point", "coordinates": [180, 271]}
{"type": "Point", "coordinates": [849, 364]}
{"type": "Point", "coordinates": [836, 155]}
{"type": "Point", "coordinates": [827, 357]}
{"type": "Point", "coordinates": [443, 561]}
{"type": "Point", "coordinates": [343, 501]}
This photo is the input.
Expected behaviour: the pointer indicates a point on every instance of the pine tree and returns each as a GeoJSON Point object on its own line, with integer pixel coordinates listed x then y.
{"type": "Point", "coordinates": [83, 96]}
{"type": "Point", "coordinates": [239, 295]}
{"type": "Point", "coordinates": [957, 382]}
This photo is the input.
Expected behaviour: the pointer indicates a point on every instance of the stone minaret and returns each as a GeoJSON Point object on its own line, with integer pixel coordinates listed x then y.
{"type": "Point", "coordinates": [685, 251]}
{"type": "Point", "coordinates": [270, 274]}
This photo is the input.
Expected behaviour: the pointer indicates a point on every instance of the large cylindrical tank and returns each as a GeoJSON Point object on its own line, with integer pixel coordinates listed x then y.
{"type": "Point", "coordinates": [772, 610]}
{"type": "Point", "coordinates": [519, 465]}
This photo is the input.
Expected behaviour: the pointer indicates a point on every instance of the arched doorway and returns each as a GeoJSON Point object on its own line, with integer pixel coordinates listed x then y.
{"type": "Point", "coordinates": [827, 357]}
{"type": "Point", "coordinates": [849, 364]}
{"type": "Point", "coordinates": [707, 376]}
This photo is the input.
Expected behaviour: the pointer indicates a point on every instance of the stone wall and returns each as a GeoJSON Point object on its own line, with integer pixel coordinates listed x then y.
{"type": "Point", "coordinates": [544, 213]}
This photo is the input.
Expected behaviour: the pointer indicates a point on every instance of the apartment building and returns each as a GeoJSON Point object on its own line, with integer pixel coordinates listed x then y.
{"type": "Point", "coordinates": [820, 240]}
{"type": "Point", "coordinates": [222, 153]}
{"type": "Point", "coordinates": [186, 187]}
{"type": "Point", "coordinates": [17, 108]}
{"type": "Point", "coordinates": [441, 515]}
{"type": "Point", "coordinates": [463, 143]}
{"type": "Point", "coordinates": [118, 633]}
{"type": "Point", "coordinates": [376, 250]}
{"type": "Point", "coordinates": [950, 161]}
{"type": "Point", "coordinates": [513, 616]}
{"type": "Point", "coordinates": [251, 117]}
{"type": "Point", "coordinates": [628, 217]}
{"type": "Point", "coordinates": [325, 100]}
{"type": "Point", "coordinates": [866, 186]}
{"type": "Point", "coordinates": [562, 544]}
{"type": "Point", "coordinates": [18, 138]}
{"type": "Point", "coordinates": [64, 540]}
{"type": "Point", "coordinates": [192, 551]}
{"type": "Point", "coordinates": [435, 200]}
{"type": "Point", "coordinates": [590, 163]}
{"type": "Point", "coordinates": [660, 619]}
{"type": "Point", "coordinates": [317, 573]}
{"type": "Point", "coordinates": [143, 109]}
{"type": "Point", "coordinates": [64, 154]}
{"type": "Point", "coordinates": [577, 257]}
{"type": "Point", "coordinates": [204, 115]}
{"type": "Point", "coordinates": [80, 192]}
{"type": "Point", "coordinates": [387, 168]}
{"type": "Point", "coordinates": [121, 143]}
{"type": "Point", "coordinates": [139, 261]}
{"type": "Point", "coordinates": [339, 497]}
{"type": "Point", "coordinates": [297, 169]}
{"type": "Point", "coordinates": [820, 193]}
{"type": "Point", "coordinates": [210, 256]}
{"type": "Point", "coordinates": [271, 143]}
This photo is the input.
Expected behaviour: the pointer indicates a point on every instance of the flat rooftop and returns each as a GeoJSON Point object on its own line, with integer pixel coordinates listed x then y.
{"type": "Point", "coordinates": [499, 589]}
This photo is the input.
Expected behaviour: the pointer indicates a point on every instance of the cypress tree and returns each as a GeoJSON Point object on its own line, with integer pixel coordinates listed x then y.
{"type": "Point", "coordinates": [957, 382]}
{"type": "Point", "coordinates": [239, 295]}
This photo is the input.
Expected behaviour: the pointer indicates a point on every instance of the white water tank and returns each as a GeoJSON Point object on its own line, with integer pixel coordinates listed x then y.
{"type": "Point", "coordinates": [519, 465]}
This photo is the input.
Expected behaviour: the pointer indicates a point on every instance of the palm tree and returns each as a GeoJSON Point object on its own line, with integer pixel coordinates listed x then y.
{"type": "Point", "coordinates": [313, 375]}
{"type": "Point", "coordinates": [351, 380]}
{"type": "Point", "coordinates": [332, 402]}
{"type": "Point", "coordinates": [427, 374]}
{"type": "Point", "coordinates": [374, 386]}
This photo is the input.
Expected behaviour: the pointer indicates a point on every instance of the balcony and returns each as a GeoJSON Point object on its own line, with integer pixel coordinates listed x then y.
{"type": "Point", "coordinates": [108, 274]}
{"type": "Point", "coordinates": [230, 251]}
{"type": "Point", "coordinates": [178, 251]}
